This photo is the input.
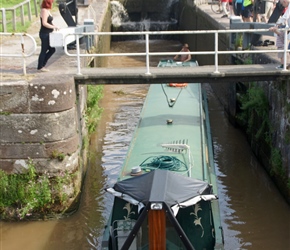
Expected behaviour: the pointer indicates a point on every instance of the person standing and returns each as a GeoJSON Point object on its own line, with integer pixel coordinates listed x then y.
{"type": "Point", "coordinates": [238, 7]}
{"type": "Point", "coordinates": [225, 8]}
{"type": "Point", "coordinates": [231, 7]}
{"type": "Point", "coordinates": [257, 10]}
{"type": "Point", "coordinates": [269, 7]}
{"type": "Point", "coordinates": [280, 35]}
{"type": "Point", "coordinates": [247, 12]}
{"type": "Point", "coordinates": [46, 27]}
{"type": "Point", "coordinates": [286, 15]}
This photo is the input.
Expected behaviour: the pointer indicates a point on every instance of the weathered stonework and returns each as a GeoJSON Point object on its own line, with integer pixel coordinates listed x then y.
{"type": "Point", "coordinates": [42, 118]}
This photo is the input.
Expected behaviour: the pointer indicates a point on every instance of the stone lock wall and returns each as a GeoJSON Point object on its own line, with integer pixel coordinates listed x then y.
{"type": "Point", "coordinates": [38, 118]}
{"type": "Point", "coordinates": [41, 117]}
{"type": "Point", "coordinates": [193, 18]}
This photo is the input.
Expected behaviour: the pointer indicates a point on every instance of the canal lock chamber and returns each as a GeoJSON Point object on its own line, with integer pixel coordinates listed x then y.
{"type": "Point", "coordinates": [144, 15]}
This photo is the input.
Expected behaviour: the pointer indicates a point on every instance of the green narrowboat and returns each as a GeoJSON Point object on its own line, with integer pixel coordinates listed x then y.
{"type": "Point", "coordinates": [166, 193]}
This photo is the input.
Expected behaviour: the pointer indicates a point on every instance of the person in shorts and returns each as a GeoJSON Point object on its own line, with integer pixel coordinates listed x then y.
{"type": "Point", "coordinates": [269, 7]}
{"type": "Point", "coordinates": [225, 8]}
{"type": "Point", "coordinates": [247, 12]}
{"type": "Point", "coordinates": [238, 7]}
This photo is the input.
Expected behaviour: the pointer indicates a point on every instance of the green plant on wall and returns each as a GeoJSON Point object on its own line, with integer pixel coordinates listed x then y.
{"type": "Point", "coordinates": [255, 119]}
{"type": "Point", "coordinates": [276, 163]}
{"type": "Point", "coordinates": [94, 111]}
{"type": "Point", "coordinates": [30, 193]}
{"type": "Point", "coordinates": [57, 155]}
{"type": "Point", "coordinates": [255, 110]}
{"type": "Point", "coordinates": [239, 40]}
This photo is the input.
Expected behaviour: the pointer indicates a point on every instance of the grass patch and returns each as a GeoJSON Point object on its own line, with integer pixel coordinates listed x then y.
{"type": "Point", "coordinates": [24, 194]}
{"type": "Point", "coordinates": [94, 111]}
{"type": "Point", "coordinates": [9, 15]}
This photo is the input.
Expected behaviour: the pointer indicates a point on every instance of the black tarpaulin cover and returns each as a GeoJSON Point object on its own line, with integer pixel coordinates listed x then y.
{"type": "Point", "coordinates": [164, 186]}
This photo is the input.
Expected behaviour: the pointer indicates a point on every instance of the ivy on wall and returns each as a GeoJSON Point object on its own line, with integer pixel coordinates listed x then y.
{"type": "Point", "coordinates": [254, 118]}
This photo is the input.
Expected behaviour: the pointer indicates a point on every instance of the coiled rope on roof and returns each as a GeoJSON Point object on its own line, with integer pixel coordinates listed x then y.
{"type": "Point", "coordinates": [164, 162]}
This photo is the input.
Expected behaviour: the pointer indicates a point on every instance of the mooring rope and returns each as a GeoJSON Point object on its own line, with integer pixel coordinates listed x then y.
{"type": "Point", "coordinates": [163, 162]}
{"type": "Point", "coordinates": [170, 104]}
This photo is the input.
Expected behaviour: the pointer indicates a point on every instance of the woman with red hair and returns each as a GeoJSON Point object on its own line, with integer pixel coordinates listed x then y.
{"type": "Point", "coordinates": [46, 27]}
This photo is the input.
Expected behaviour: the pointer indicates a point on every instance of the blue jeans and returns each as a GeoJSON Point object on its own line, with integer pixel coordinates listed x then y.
{"type": "Point", "coordinates": [46, 50]}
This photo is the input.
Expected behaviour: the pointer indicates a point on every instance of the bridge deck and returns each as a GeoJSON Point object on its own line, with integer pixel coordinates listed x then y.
{"type": "Point", "coordinates": [201, 74]}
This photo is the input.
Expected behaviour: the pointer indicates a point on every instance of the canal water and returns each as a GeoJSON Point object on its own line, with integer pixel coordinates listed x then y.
{"type": "Point", "coordinates": [254, 214]}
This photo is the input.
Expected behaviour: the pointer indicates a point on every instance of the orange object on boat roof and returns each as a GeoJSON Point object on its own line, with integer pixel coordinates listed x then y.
{"type": "Point", "coordinates": [179, 85]}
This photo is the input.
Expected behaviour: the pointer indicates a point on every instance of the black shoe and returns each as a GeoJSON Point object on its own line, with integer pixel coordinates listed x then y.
{"type": "Point", "coordinates": [225, 16]}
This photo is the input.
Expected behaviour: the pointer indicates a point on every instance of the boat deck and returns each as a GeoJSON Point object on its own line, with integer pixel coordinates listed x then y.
{"type": "Point", "coordinates": [183, 125]}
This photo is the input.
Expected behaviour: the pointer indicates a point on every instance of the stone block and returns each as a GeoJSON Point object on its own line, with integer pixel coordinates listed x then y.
{"type": "Point", "coordinates": [13, 97]}
{"type": "Point", "coordinates": [54, 167]}
{"type": "Point", "coordinates": [38, 128]}
{"type": "Point", "coordinates": [52, 94]}
{"type": "Point", "coordinates": [39, 150]}
{"type": "Point", "coordinates": [70, 164]}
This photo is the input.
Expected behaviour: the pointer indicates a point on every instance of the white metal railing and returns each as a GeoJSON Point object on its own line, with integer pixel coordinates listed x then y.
{"type": "Point", "coordinates": [21, 54]}
{"type": "Point", "coordinates": [147, 52]}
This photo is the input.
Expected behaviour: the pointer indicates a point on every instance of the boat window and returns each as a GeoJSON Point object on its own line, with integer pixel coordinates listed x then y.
{"type": "Point", "coordinates": [140, 242]}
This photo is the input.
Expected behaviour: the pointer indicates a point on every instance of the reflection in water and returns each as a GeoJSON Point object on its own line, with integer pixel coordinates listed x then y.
{"type": "Point", "coordinates": [254, 215]}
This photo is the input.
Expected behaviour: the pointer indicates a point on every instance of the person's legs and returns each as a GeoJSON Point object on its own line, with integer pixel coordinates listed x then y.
{"type": "Point", "coordinates": [256, 11]}
{"type": "Point", "coordinates": [268, 11]}
{"type": "Point", "coordinates": [48, 54]}
{"type": "Point", "coordinates": [224, 7]}
{"type": "Point", "coordinates": [231, 9]}
{"type": "Point", "coordinates": [44, 47]}
{"type": "Point", "coordinates": [281, 57]}
{"type": "Point", "coordinates": [239, 9]}
{"type": "Point", "coordinates": [247, 13]}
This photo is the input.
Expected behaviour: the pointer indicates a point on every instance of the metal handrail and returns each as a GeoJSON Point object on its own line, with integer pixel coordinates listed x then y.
{"type": "Point", "coordinates": [147, 52]}
{"type": "Point", "coordinates": [22, 54]}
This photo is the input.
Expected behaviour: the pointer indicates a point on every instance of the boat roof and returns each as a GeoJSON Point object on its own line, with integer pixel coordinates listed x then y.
{"type": "Point", "coordinates": [153, 129]}
{"type": "Point", "coordinates": [163, 186]}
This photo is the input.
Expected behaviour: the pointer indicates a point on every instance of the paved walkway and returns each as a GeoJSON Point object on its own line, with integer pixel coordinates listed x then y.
{"type": "Point", "coordinates": [12, 45]}
{"type": "Point", "coordinates": [12, 67]}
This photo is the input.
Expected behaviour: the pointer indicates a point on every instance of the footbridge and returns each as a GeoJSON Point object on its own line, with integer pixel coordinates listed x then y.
{"type": "Point", "coordinates": [203, 73]}
{"type": "Point", "coordinates": [151, 74]}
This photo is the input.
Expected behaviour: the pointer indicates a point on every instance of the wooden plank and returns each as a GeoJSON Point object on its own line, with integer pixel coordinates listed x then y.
{"type": "Point", "coordinates": [157, 229]}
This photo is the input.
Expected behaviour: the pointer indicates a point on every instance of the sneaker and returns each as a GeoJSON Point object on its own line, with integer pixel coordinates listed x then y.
{"type": "Point", "coordinates": [280, 66]}
{"type": "Point", "coordinates": [44, 70]}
